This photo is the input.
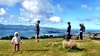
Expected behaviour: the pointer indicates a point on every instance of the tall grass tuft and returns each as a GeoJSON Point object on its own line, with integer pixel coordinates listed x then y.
{"type": "Point", "coordinates": [69, 44]}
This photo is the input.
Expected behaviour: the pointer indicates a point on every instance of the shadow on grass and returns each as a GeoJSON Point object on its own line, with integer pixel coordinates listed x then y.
{"type": "Point", "coordinates": [83, 40]}
{"type": "Point", "coordinates": [36, 50]}
{"type": "Point", "coordinates": [72, 50]}
{"type": "Point", "coordinates": [76, 50]}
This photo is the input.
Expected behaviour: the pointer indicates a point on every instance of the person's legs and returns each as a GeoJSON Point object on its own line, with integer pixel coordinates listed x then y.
{"type": "Point", "coordinates": [14, 47]}
{"type": "Point", "coordinates": [36, 37]}
{"type": "Point", "coordinates": [81, 37]}
{"type": "Point", "coordinates": [18, 47]}
{"type": "Point", "coordinates": [68, 37]}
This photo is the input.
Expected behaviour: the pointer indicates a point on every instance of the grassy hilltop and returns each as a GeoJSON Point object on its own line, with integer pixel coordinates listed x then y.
{"type": "Point", "coordinates": [50, 47]}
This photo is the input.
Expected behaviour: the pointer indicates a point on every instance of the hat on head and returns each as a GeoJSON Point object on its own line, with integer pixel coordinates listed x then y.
{"type": "Point", "coordinates": [15, 33]}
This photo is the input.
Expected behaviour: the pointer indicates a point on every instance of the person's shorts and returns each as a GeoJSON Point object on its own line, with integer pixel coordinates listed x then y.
{"type": "Point", "coordinates": [37, 32]}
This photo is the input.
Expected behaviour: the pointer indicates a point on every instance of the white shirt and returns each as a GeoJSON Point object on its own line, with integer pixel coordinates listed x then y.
{"type": "Point", "coordinates": [16, 40]}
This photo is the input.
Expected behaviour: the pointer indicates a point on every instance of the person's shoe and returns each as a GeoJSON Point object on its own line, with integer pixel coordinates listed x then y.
{"type": "Point", "coordinates": [37, 40]}
{"type": "Point", "coordinates": [14, 51]}
{"type": "Point", "coordinates": [18, 50]}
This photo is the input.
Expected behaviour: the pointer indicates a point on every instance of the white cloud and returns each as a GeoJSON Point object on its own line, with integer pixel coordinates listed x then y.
{"type": "Point", "coordinates": [97, 8]}
{"type": "Point", "coordinates": [5, 20]}
{"type": "Point", "coordinates": [34, 10]}
{"type": "Point", "coordinates": [86, 7]}
{"type": "Point", "coordinates": [55, 19]}
{"type": "Point", "coordinates": [9, 2]}
{"type": "Point", "coordinates": [1, 19]}
{"type": "Point", "coordinates": [5, 17]}
{"type": "Point", "coordinates": [2, 11]}
{"type": "Point", "coordinates": [21, 19]}
{"type": "Point", "coordinates": [59, 8]}
{"type": "Point", "coordinates": [38, 6]}
{"type": "Point", "coordinates": [11, 16]}
{"type": "Point", "coordinates": [30, 11]}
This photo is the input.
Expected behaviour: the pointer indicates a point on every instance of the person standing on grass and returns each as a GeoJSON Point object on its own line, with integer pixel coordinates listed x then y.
{"type": "Point", "coordinates": [68, 37]}
{"type": "Point", "coordinates": [16, 40]}
{"type": "Point", "coordinates": [37, 31]}
{"type": "Point", "coordinates": [82, 29]}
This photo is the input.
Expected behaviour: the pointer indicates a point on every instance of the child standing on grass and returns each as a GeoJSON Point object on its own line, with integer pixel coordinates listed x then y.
{"type": "Point", "coordinates": [16, 40]}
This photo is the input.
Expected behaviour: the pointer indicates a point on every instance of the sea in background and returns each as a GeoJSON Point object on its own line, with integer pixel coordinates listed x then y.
{"type": "Point", "coordinates": [30, 33]}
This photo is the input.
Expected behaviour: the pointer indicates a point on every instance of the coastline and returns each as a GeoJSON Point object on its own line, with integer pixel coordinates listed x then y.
{"type": "Point", "coordinates": [31, 33]}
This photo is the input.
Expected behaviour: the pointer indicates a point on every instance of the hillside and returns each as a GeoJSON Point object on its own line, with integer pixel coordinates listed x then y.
{"type": "Point", "coordinates": [28, 31]}
{"type": "Point", "coordinates": [86, 47]}
{"type": "Point", "coordinates": [28, 28]}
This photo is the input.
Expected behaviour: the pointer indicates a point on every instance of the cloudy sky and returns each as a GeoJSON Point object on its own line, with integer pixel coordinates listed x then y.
{"type": "Point", "coordinates": [51, 13]}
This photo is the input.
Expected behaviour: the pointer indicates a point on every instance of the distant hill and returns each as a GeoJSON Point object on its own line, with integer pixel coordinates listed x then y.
{"type": "Point", "coordinates": [15, 27]}
{"type": "Point", "coordinates": [28, 28]}
{"type": "Point", "coordinates": [29, 31]}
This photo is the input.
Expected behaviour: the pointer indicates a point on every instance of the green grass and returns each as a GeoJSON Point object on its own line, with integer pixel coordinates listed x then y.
{"type": "Point", "coordinates": [86, 47]}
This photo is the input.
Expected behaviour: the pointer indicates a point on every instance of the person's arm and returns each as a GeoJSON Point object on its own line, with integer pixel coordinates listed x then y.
{"type": "Point", "coordinates": [39, 28]}
{"type": "Point", "coordinates": [36, 26]}
{"type": "Point", "coordinates": [20, 40]}
{"type": "Point", "coordinates": [83, 29]}
{"type": "Point", "coordinates": [12, 41]}
{"type": "Point", "coordinates": [68, 30]}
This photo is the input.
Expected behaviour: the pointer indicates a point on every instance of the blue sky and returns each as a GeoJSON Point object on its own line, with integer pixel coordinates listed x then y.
{"type": "Point", "coordinates": [51, 13]}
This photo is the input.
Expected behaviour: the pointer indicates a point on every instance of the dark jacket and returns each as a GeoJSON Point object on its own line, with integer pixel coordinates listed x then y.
{"type": "Point", "coordinates": [69, 28]}
{"type": "Point", "coordinates": [82, 29]}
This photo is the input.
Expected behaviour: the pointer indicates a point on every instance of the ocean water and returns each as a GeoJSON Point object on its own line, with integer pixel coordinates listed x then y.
{"type": "Point", "coordinates": [21, 33]}
{"type": "Point", "coordinates": [30, 33]}
{"type": "Point", "coordinates": [26, 33]}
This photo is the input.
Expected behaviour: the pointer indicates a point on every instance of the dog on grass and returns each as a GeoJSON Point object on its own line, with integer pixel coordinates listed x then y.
{"type": "Point", "coordinates": [69, 44]}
